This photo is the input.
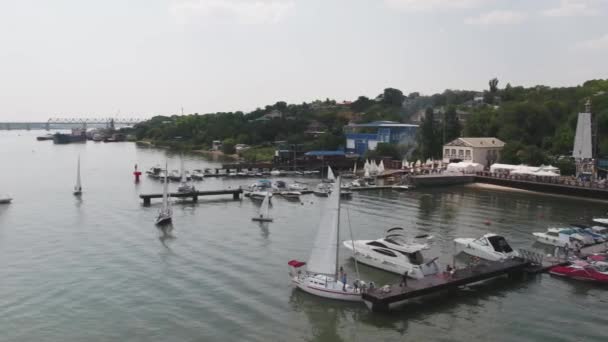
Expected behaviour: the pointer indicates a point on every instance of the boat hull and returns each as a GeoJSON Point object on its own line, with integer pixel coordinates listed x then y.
{"type": "Point", "coordinates": [333, 290]}
{"type": "Point", "coordinates": [468, 247]}
{"type": "Point", "coordinates": [262, 219]}
{"type": "Point", "coordinates": [589, 275]}
{"type": "Point", "coordinates": [321, 194]}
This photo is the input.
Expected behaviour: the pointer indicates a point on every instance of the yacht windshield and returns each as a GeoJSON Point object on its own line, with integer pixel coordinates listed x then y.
{"type": "Point", "coordinates": [500, 244]}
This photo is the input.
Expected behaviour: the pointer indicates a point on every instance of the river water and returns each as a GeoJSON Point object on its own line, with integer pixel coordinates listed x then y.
{"type": "Point", "coordinates": [97, 269]}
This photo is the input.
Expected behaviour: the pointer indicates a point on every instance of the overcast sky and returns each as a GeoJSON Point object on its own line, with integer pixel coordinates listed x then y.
{"type": "Point", "coordinates": [145, 57]}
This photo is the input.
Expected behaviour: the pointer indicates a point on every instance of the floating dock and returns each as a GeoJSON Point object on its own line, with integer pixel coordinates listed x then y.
{"type": "Point", "coordinates": [383, 299]}
{"type": "Point", "coordinates": [236, 194]}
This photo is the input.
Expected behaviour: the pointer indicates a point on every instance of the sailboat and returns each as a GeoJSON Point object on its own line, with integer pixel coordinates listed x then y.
{"type": "Point", "coordinates": [184, 186]}
{"type": "Point", "coordinates": [78, 186]}
{"type": "Point", "coordinates": [165, 213]}
{"type": "Point", "coordinates": [330, 175]}
{"type": "Point", "coordinates": [264, 217]}
{"type": "Point", "coordinates": [321, 277]}
{"type": "Point", "coordinates": [355, 170]}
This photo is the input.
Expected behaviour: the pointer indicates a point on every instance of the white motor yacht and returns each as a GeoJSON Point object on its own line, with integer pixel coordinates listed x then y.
{"type": "Point", "coordinates": [562, 237]}
{"type": "Point", "coordinates": [297, 187]}
{"type": "Point", "coordinates": [394, 253]}
{"type": "Point", "coordinates": [489, 247]}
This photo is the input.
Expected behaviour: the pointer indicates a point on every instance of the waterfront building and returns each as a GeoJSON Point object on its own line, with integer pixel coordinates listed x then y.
{"type": "Point", "coordinates": [363, 137]}
{"type": "Point", "coordinates": [484, 151]}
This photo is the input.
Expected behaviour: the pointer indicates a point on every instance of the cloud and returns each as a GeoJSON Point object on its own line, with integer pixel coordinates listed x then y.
{"type": "Point", "coordinates": [573, 8]}
{"type": "Point", "coordinates": [430, 5]}
{"type": "Point", "coordinates": [497, 18]}
{"type": "Point", "coordinates": [243, 11]}
{"type": "Point", "coordinates": [594, 44]}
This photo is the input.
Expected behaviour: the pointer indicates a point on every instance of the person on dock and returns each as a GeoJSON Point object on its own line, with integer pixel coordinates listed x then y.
{"type": "Point", "coordinates": [404, 279]}
{"type": "Point", "coordinates": [344, 281]}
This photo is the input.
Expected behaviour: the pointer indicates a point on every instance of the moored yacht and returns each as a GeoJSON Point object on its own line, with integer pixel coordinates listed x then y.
{"type": "Point", "coordinates": [489, 247]}
{"type": "Point", "coordinates": [394, 253]}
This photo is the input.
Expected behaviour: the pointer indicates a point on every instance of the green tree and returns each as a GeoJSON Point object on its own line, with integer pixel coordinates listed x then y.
{"type": "Point", "coordinates": [451, 125]}
{"type": "Point", "coordinates": [493, 83]}
{"type": "Point", "coordinates": [393, 97]}
{"type": "Point", "coordinates": [361, 104]}
{"type": "Point", "coordinates": [429, 141]}
{"type": "Point", "coordinates": [228, 146]}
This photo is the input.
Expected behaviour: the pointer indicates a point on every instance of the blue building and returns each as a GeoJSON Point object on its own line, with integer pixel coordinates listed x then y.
{"type": "Point", "coordinates": [363, 137]}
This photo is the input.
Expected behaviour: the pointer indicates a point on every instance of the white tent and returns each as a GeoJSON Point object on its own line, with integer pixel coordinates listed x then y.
{"type": "Point", "coordinates": [543, 173]}
{"type": "Point", "coordinates": [465, 167]}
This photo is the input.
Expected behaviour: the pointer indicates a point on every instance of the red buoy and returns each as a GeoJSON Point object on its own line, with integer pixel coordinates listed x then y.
{"type": "Point", "coordinates": [137, 174]}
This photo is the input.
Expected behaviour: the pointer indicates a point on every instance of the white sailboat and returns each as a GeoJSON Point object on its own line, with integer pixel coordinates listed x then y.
{"type": "Point", "coordinates": [330, 175]}
{"type": "Point", "coordinates": [321, 277]}
{"type": "Point", "coordinates": [165, 213]}
{"type": "Point", "coordinates": [78, 186]}
{"type": "Point", "coordinates": [264, 216]}
{"type": "Point", "coordinates": [184, 186]}
{"type": "Point", "coordinates": [355, 170]}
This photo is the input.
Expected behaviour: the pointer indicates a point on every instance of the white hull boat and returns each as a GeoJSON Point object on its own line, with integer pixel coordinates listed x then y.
{"type": "Point", "coordinates": [260, 195]}
{"type": "Point", "coordinates": [165, 214]}
{"type": "Point", "coordinates": [489, 247]}
{"type": "Point", "coordinates": [264, 208]}
{"type": "Point", "coordinates": [395, 254]}
{"type": "Point", "coordinates": [78, 186]}
{"type": "Point", "coordinates": [562, 237]}
{"type": "Point", "coordinates": [321, 277]}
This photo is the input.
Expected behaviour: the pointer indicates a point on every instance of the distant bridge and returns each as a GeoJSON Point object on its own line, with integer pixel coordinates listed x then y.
{"type": "Point", "coordinates": [68, 122]}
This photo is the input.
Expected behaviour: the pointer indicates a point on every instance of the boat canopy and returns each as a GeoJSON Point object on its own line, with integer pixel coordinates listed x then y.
{"type": "Point", "coordinates": [296, 263]}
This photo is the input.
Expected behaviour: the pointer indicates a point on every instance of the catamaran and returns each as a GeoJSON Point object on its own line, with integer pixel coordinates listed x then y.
{"type": "Point", "coordinates": [165, 213]}
{"type": "Point", "coordinates": [321, 277]}
{"type": "Point", "coordinates": [263, 213]}
{"type": "Point", "coordinates": [78, 186]}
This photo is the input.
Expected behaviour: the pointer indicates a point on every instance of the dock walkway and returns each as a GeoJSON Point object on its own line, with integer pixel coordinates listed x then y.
{"type": "Point", "coordinates": [379, 299]}
{"type": "Point", "coordinates": [236, 194]}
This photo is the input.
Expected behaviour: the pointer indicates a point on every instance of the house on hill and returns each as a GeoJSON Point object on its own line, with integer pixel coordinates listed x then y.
{"type": "Point", "coordinates": [484, 151]}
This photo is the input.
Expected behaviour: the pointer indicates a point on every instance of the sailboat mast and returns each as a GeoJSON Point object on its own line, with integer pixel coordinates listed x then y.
{"type": "Point", "coordinates": [165, 188]}
{"type": "Point", "coordinates": [78, 185]}
{"type": "Point", "coordinates": [337, 193]}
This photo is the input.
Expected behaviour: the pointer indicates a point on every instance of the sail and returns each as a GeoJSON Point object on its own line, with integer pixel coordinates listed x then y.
{"type": "Point", "coordinates": [330, 173]}
{"type": "Point", "coordinates": [366, 174]}
{"type": "Point", "coordinates": [165, 192]}
{"type": "Point", "coordinates": [78, 186]}
{"type": "Point", "coordinates": [182, 171]}
{"type": "Point", "coordinates": [264, 207]}
{"type": "Point", "coordinates": [324, 254]}
{"type": "Point", "coordinates": [381, 167]}
{"type": "Point", "coordinates": [355, 169]}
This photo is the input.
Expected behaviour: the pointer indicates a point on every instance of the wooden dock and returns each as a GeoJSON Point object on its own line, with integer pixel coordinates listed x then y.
{"type": "Point", "coordinates": [236, 194]}
{"type": "Point", "coordinates": [379, 299]}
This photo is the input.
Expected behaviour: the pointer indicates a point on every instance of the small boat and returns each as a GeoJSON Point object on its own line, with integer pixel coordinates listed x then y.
{"type": "Point", "coordinates": [78, 186]}
{"type": "Point", "coordinates": [263, 213]}
{"type": "Point", "coordinates": [45, 137]}
{"type": "Point", "coordinates": [489, 247]}
{"type": "Point", "coordinates": [154, 172]}
{"type": "Point", "coordinates": [165, 213]}
{"type": "Point", "coordinates": [276, 173]}
{"type": "Point", "coordinates": [184, 186]}
{"type": "Point", "coordinates": [562, 237]}
{"type": "Point", "coordinates": [197, 175]}
{"type": "Point", "coordinates": [5, 199]}
{"type": "Point", "coordinates": [394, 253]}
{"type": "Point", "coordinates": [322, 276]}
{"type": "Point", "coordinates": [290, 194]}
{"type": "Point", "coordinates": [260, 194]}
{"type": "Point", "coordinates": [297, 187]}
{"type": "Point", "coordinates": [174, 175]}
{"type": "Point", "coordinates": [330, 176]}
{"type": "Point", "coordinates": [321, 190]}
{"type": "Point", "coordinates": [596, 272]}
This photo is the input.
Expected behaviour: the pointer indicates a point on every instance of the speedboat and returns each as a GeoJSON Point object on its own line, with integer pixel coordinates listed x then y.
{"type": "Point", "coordinates": [582, 270]}
{"type": "Point", "coordinates": [489, 247]}
{"type": "Point", "coordinates": [5, 199]}
{"type": "Point", "coordinates": [394, 253]}
{"type": "Point", "coordinates": [297, 187]}
{"type": "Point", "coordinates": [561, 237]}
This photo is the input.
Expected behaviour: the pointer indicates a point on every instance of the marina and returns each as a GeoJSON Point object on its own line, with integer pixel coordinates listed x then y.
{"type": "Point", "coordinates": [124, 262]}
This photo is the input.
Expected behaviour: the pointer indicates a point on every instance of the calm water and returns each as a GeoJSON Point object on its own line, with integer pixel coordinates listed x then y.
{"type": "Point", "coordinates": [97, 269]}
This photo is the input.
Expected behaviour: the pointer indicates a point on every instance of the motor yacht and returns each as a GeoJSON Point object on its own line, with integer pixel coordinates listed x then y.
{"type": "Point", "coordinates": [394, 253]}
{"type": "Point", "coordinates": [297, 187]}
{"type": "Point", "coordinates": [562, 237]}
{"type": "Point", "coordinates": [489, 247]}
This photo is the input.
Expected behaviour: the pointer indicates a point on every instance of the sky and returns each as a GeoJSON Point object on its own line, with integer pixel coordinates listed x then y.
{"type": "Point", "coordinates": [140, 58]}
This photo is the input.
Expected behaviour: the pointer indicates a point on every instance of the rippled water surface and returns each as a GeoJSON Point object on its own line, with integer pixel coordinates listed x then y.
{"type": "Point", "coordinates": [97, 269]}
